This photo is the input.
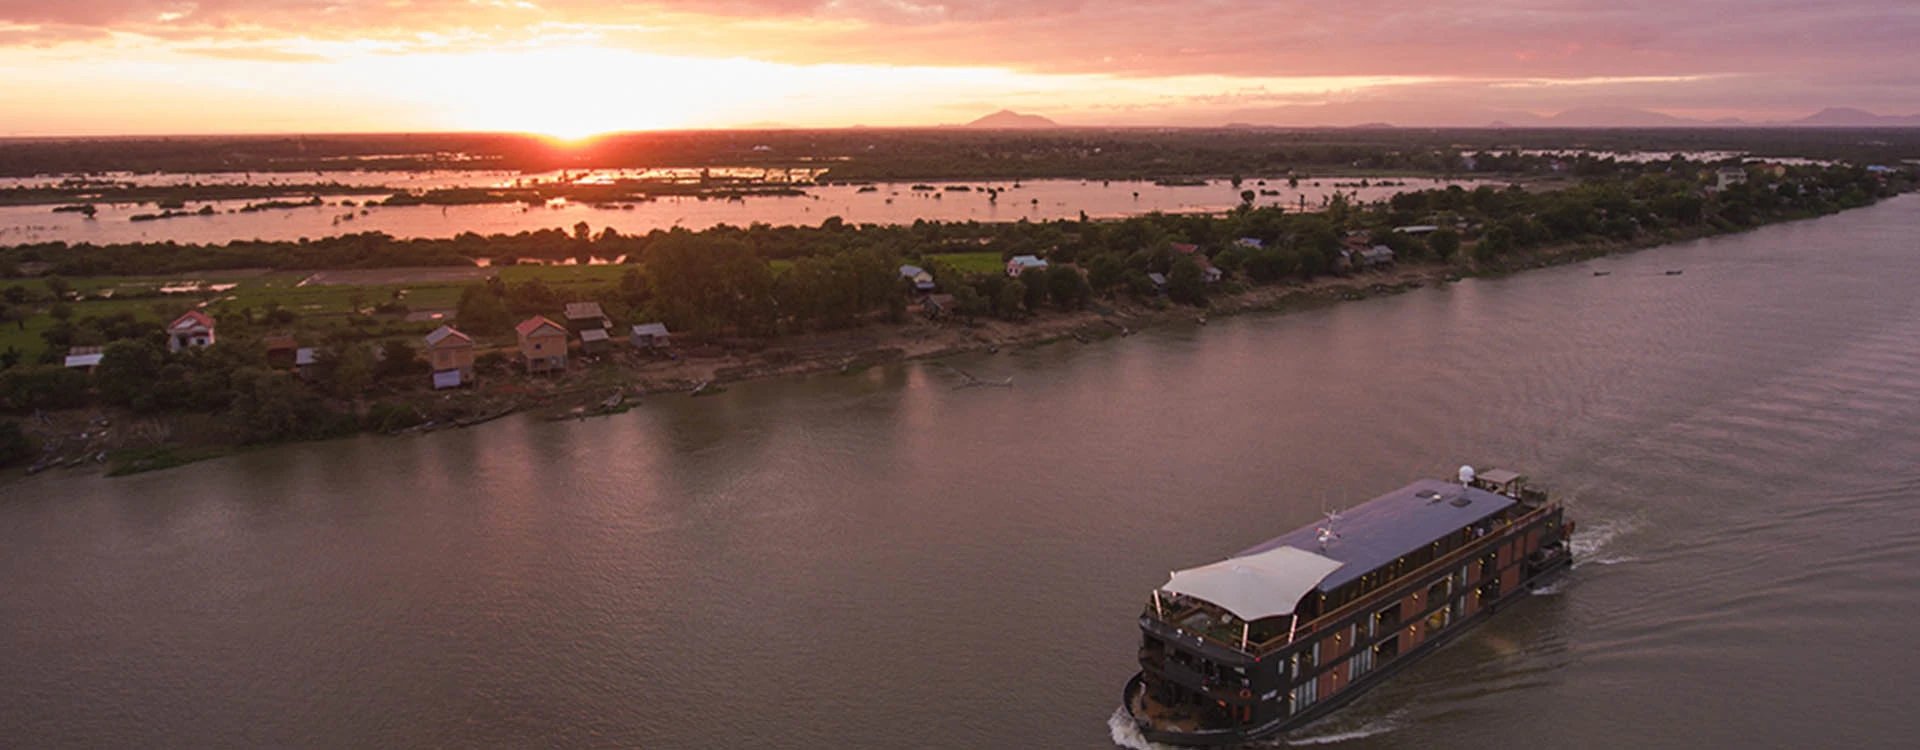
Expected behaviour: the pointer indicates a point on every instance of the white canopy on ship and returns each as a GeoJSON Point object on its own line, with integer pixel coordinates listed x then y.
{"type": "Point", "coordinates": [1255, 586]}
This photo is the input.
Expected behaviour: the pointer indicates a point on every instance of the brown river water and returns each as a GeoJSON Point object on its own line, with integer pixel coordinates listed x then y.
{"type": "Point", "coordinates": [879, 560]}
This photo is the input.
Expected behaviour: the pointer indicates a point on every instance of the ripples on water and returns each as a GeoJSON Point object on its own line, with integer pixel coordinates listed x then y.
{"type": "Point", "coordinates": [878, 560]}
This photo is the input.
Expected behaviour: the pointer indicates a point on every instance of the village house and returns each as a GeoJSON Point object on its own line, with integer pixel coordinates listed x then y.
{"type": "Point", "coordinates": [936, 306]}
{"type": "Point", "coordinates": [1185, 248]}
{"type": "Point", "coordinates": [1208, 272]}
{"type": "Point", "coordinates": [582, 316]}
{"type": "Point", "coordinates": [1159, 281]}
{"type": "Point", "coordinates": [1020, 264]}
{"type": "Point", "coordinates": [193, 330]}
{"type": "Point", "coordinates": [283, 352]}
{"type": "Point", "coordinates": [543, 344]}
{"type": "Point", "coordinates": [1376, 256]}
{"type": "Point", "coordinates": [84, 357]}
{"type": "Point", "coordinates": [450, 354]}
{"type": "Point", "coordinates": [650, 336]}
{"type": "Point", "coordinates": [595, 341]}
{"type": "Point", "coordinates": [1418, 229]}
{"type": "Point", "coordinates": [921, 280]}
{"type": "Point", "coordinates": [1251, 243]}
{"type": "Point", "coordinates": [304, 360]}
{"type": "Point", "coordinates": [1727, 177]}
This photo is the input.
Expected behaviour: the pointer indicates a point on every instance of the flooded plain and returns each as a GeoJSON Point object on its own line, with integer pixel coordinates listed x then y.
{"type": "Point", "coordinates": [887, 203]}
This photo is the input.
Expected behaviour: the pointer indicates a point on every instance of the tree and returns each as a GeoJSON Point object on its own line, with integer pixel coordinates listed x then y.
{"type": "Point", "coordinates": [16, 295]}
{"type": "Point", "coordinates": [707, 283]}
{"type": "Point", "coordinates": [1008, 303]}
{"type": "Point", "coordinates": [43, 387]}
{"type": "Point", "coordinates": [1185, 284]}
{"type": "Point", "coordinates": [1105, 271]}
{"type": "Point", "coordinates": [61, 311]}
{"type": "Point", "coordinates": [58, 286]}
{"type": "Point", "coordinates": [482, 312]}
{"type": "Point", "coordinates": [1444, 243]}
{"type": "Point", "coordinates": [1033, 284]}
{"type": "Point", "coordinates": [397, 360]}
{"type": "Point", "coordinates": [15, 446]}
{"type": "Point", "coordinates": [1067, 288]}
{"type": "Point", "coordinates": [1497, 242]}
{"type": "Point", "coordinates": [350, 370]}
{"type": "Point", "coordinates": [968, 303]}
{"type": "Point", "coordinates": [126, 372]}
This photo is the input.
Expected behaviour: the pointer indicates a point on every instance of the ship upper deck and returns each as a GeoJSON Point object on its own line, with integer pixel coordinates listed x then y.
{"type": "Point", "coordinates": [1390, 526]}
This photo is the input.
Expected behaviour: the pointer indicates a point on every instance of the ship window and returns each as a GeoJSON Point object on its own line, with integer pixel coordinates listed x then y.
{"type": "Point", "coordinates": [1387, 648]}
{"type": "Point", "coordinates": [1304, 696]}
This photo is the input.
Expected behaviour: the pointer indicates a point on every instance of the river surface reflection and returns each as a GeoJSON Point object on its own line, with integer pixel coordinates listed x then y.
{"type": "Point", "coordinates": [880, 560]}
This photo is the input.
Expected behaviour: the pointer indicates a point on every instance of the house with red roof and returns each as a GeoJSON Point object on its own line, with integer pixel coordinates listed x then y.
{"type": "Point", "coordinates": [193, 330]}
{"type": "Point", "coordinates": [543, 344]}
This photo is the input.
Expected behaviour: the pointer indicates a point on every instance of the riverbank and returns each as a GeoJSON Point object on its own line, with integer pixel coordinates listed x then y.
{"type": "Point", "coordinates": [123, 442]}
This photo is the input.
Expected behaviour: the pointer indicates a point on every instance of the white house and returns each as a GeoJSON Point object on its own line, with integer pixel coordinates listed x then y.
{"type": "Point", "coordinates": [1019, 264]}
{"type": "Point", "coordinates": [922, 281]}
{"type": "Point", "coordinates": [193, 330]}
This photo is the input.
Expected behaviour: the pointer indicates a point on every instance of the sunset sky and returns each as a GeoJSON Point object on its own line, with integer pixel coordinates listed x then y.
{"type": "Point", "coordinates": [575, 67]}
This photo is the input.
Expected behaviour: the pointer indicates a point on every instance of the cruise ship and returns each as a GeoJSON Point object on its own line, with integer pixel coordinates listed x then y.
{"type": "Point", "coordinates": [1290, 629]}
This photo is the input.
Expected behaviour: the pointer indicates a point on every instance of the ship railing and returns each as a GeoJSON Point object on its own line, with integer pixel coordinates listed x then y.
{"type": "Point", "coordinates": [1446, 562]}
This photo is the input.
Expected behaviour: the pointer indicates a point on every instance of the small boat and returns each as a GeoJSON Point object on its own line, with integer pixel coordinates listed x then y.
{"type": "Point", "coordinates": [1292, 628]}
{"type": "Point", "coordinates": [1675, 273]}
{"type": "Point", "coordinates": [1603, 273]}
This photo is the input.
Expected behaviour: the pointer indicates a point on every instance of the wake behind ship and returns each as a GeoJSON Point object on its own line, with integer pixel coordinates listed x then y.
{"type": "Point", "coordinates": [1296, 626]}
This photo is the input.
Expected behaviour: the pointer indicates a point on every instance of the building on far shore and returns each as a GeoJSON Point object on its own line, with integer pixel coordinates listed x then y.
{"type": "Point", "coordinates": [450, 354]}
{"type": "Point", "coordinates": [543, 344]}
{"type": "Point", "coordinates": [650, 336]}
{"type": "Point", "coordinates": [193, 330]}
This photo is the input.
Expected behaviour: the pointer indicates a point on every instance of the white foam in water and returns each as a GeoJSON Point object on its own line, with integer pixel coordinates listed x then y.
{"type": "Point", "coordinates": [1126, 735]}
{"type": "Point", "coordinates": [1590, 542]}
{"type": "Point", "coordinates": [1369, 729]}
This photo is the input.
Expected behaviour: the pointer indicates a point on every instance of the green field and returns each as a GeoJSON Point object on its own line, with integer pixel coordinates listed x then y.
{"type": "Point", "coordinates": [972, 262]}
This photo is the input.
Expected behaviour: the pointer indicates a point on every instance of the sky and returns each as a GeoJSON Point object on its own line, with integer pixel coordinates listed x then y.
{"type": "Point", "coordinates": [575, 67]}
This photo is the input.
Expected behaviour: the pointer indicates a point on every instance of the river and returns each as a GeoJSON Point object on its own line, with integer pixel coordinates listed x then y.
{"type": "Point", "coordinates": [880, 560]}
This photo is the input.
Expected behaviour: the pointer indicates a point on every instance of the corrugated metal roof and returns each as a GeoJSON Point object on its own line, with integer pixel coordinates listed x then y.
{"type": "Point", "coordinates": [593, 334]}
{"type": "Point", "coordinates": [446, 379]}
{"type": "Point", "coordinates": [84, 360]}
{"type": "Point", "coordinates": [1383, 529]}
{"type": "Point", "coordinates": [584, 310]}
{"type": "Point", "coordinates": [530, 325]}
{"type": "Point", "coordinates": [443, 332]}
{"type": "Point", "coordinates": [304, 356]}
{"type": "Point", "coordinates": [650, 329]}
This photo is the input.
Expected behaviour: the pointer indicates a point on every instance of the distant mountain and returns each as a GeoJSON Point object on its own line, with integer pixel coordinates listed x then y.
{"type": "Point", "coordinates": [1616, 117]}
{"type": "Point", "coordinates": [1848, 117]}
{"type": "Point", "coordinates": [1008, 119]}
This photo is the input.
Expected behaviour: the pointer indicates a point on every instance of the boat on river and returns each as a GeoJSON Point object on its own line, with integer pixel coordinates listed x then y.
{"type": "Point", "coordinates": [1290, 629]}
